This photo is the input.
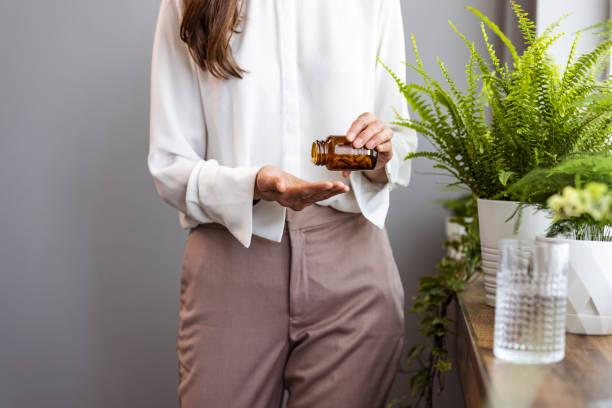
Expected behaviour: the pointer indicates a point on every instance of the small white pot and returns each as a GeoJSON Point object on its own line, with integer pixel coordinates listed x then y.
{"type": "Point", "coordinates": [589, 292]}
{"type": "Point", "coordinates": [454, 232]}
{"type": "Point", "coordinates": [492, 216]}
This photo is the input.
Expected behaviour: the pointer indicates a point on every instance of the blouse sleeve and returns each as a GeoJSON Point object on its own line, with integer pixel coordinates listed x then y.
{"type": "Point", "coordinates": [202, 189]}
{"type": "Point", "coordinates": [373, 198]}
{"type": "Point", "coordinates": [392, 53]}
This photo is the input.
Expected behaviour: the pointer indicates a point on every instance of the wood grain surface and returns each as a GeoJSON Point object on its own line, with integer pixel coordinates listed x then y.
{"type": "Point", "coordinates": [582, 379]}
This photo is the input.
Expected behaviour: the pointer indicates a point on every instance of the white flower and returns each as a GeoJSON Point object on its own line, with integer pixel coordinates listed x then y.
{"type": "Point", "coordinates": [573, 202]}
{"type": "Point", "coordinates": [593, 200]}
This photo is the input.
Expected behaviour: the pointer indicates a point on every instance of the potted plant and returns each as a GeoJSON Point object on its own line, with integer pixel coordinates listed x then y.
{"type": "Point", "coordinates": [539, 114]}
{"type": "Point", "coordinates": [579, 192]}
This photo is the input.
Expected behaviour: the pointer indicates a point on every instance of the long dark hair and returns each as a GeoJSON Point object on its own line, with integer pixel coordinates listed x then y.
{"type": "Point", "coordinates": [207, 28]}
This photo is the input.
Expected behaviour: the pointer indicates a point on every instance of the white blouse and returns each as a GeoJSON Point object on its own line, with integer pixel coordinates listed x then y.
{"type": "Point", "coordinates": [312, 70]}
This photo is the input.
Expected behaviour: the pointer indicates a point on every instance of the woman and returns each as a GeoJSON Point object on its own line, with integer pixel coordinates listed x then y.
{"type": "Point", "coordinates": [277, 292]}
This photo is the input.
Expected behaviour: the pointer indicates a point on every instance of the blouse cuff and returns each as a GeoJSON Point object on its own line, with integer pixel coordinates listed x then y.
{"type": "Point", "coordinates": [224, 195]}
{"type": "Point", "coordinates": [392, 170]}
{"type": "Point", "coordinates": [372, 197]}
{"type": "Point", "coordinates": [269, 220]}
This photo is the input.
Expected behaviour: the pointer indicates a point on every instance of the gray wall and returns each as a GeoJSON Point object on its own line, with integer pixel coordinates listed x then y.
{"type": "Point", "coordinates": [89, 255]}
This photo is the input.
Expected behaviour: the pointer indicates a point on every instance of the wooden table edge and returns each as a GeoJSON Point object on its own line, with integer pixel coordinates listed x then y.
{"type": "Point", "coordinates": [475, 381]}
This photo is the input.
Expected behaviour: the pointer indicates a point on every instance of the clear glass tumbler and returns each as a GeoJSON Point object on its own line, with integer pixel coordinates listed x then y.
{"type": "Point", "coordinates": [531, 301]}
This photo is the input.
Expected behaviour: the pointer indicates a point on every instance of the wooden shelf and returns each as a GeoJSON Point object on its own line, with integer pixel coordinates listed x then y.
{"type": "Point", "coordinates": [582, 379]}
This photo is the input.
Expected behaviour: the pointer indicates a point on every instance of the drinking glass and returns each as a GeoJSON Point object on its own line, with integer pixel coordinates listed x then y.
{"type": "Point", "coordinates": [531, 301]}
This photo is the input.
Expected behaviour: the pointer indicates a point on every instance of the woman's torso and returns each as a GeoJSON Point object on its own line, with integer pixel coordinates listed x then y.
{"type": "Point", "coordinates": [311, 67]}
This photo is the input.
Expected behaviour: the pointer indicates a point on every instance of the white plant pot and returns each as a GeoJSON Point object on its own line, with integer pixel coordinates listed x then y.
{"type": "Point", "coordinates": [589, 292]}
{"type": "Point", "coordinates": [492, 216]}
{"type": "Point", "coordinates": [454, 232]}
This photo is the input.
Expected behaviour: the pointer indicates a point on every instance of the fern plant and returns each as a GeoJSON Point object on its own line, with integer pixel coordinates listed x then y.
{"type": "Point", "coordinates": [540, 112]}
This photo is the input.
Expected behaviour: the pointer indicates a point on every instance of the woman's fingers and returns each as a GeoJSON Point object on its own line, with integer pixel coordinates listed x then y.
{"type": "Point", "coordinates": [317, 192]}
{"type": "Point", "coordinates": [280, 186]}
{"type": "Point", "coordinates": [273, 184]}
{"type": "Point", "coordinates": [385, 147]}
{"type": "Point", "coordinates": [341, 185]}
{"type": "Point", "coordinates": [359, 125]}
{"type": "Point", "coordinates": [304, 190]}
{"type": "Point", "coordinates": [381, 137]}
{"type": "Point", "coordinates": [323, 196]}
{"type": "Point", "coordinates": [309, 193]}
{"type": "Point", "coordinates": [338, 188]}
{"type": "Point", "coordinates": [368, 133]}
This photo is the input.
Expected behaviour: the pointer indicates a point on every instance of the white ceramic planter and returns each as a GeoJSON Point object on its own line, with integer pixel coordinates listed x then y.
{"type": "Point", "coordinates": [589, 292]}
{"type": "Point", "coordinates": [492, 216]}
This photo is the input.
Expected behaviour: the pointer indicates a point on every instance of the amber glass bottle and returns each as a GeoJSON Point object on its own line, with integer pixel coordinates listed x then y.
{"type": "Point", "coordinates": [336, 153]}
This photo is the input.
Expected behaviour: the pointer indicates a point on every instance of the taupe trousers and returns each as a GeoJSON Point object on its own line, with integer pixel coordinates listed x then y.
{"type": "Point", "coordinates": [321, 313]}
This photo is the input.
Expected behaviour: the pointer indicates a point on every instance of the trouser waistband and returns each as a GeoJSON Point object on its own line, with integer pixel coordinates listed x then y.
{"type": "Point", "coordinates": [315, 215]}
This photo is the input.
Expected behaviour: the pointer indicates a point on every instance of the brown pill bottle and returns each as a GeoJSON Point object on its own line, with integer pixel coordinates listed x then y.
{"type": "Point", "coordinates": [336, 153]}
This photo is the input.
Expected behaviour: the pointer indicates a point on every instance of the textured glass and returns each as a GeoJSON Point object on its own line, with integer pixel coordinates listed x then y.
{"type": "Point", "coordinates": [531, 301]}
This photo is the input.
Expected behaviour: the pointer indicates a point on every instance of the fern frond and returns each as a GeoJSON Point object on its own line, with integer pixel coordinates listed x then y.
{"type": "Point", "coordinates": [580, 69]}
{"type": "Point", "coordinates": [491, 50]}
{"type": "Point", "coordinates": [527, 26]}
{"type": "Point", "coordinates": [495, 28]}
{"type": "Point", "coordinates": [572, 53]}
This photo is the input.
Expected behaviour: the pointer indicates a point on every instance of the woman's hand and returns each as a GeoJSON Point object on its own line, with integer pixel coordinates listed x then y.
{"type": "Point", "coordinates": [367, 130]}
{"type": "Point", "coordinates": [273, 184]}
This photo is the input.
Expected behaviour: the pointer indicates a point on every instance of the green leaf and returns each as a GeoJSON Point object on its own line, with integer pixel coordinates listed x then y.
{"type": "Point", "coordinates": [414, 352]}
{"type": "Point", "coordinates": [443, 365]}
{"type": "Point", "coordinates": [439, 352]}
{"type": "Point", "coordinates": [504, 176]}
{"type": "Point", "coordinates": [458, 285]}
